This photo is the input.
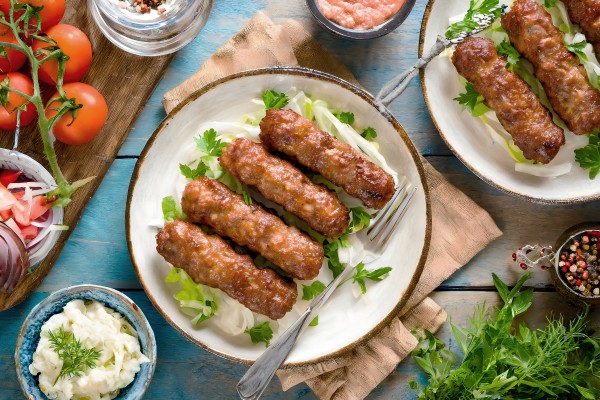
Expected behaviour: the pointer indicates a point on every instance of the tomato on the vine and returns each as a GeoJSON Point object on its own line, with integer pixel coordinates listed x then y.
{"type": "Point", "coordinates": [90, 117]}
{"type": "Point", "coordinates": [75, 44]}
{"type": "Point", "coordinates": [51, 13]}
{"type": "Point", "coordinates": [13, 59]}
{"type": "Point", "coordinates": [8, 114]}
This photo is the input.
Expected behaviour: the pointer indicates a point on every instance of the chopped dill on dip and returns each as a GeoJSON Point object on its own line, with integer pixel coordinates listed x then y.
{"type": "Point", "coordinates": [95, 327]}
{"type": "Point", "coordinates": [359, 14]}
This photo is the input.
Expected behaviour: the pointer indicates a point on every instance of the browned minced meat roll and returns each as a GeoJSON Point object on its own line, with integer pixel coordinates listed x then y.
{"type": "Point", "coordinates": [517, 107]}
{"type": "Point", "coordinates": [281, 182]}
{"type": "Point", "coordinates": [212, 262]}
{"type": "Point", "coordinates": [300, 139]}
{"type": "Point", "coordinates": [565, 81]}
{"type": "Point", "coordinates": [209, 202]}
{"type": "Point", "coordinates": [586, 13]}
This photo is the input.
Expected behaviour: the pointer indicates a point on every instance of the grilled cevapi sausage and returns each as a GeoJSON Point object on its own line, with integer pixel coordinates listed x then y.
{"type": "Point", "coordinates": [565, 80]}
{"type": "Point", "coordinates": [284, 184]}
{"type": "Point", "coordinates": [212, 262]}
{"type": "Point", "coordinates": [209, 202]}
{"type": "Point", "coordinates": [586, 13]}
{"type": "Point", "coordinates": [517, 107]}
{"type": "Point", "coordinates": [300, 139]}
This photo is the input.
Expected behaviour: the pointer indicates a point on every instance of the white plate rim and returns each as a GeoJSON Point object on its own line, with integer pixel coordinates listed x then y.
{"type": "Point", "coordinates": [307, 72]}
{"type": "Point", "coordinates": [541, 200]}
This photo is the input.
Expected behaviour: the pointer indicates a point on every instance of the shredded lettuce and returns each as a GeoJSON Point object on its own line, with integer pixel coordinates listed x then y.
{"type": "Point", "coordinates": [196, 301]}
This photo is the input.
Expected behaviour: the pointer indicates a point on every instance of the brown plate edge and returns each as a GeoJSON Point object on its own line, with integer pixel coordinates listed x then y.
{"type": "Point", "coordinates": [579, 200]}
{"type": "Point", "coordinates": [322, 76]}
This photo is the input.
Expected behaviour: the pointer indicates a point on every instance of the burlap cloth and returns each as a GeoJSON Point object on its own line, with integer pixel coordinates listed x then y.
{"type": "Point", "coordinates": [460, 227]}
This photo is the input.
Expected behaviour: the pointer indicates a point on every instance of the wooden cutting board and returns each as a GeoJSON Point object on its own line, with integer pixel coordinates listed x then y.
{"type": "Point", "coordinates": [126, 81]}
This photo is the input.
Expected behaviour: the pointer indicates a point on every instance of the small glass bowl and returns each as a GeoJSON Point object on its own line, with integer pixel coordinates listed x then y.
{"type": "Point", "coordinates": [380, 30]}
{"type": "Point", "coordinates": [151, 34]}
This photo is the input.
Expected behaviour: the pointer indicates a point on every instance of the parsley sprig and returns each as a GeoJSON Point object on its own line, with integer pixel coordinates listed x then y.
{"type": "Point", "coordinates": [472, 100]}
{"type": "Point", "coordinates": [273, 99]}
{"type": "Point", "coordinates": [363, 274]}
{"type": "Point", "coordinates": [311, 291]}
{"type": "Point", "coordinates": [578, 48]}
{"type": "Point", "coordinates": [369, 133]}
{"type": "Point", "coordinates": [471, 21]}
{"type": "Point", "coordinates": [209, 144]}
{"type": "Point", "coordinates": [75, 356]}
{"type": "Point", "coordinates": [345, 117]}
{"type": "Point", "coordinates": [588, 157]}
{"type": "Point", "coordinates": [507, 50]}
{"type": "Point", "coordinates": [261, 333]}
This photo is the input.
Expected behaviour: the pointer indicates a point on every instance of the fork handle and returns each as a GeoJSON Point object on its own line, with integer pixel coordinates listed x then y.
{"type": "Point", "coordinates": [255, 380]}
{"type": "Point", "coordinates": [396, 86]}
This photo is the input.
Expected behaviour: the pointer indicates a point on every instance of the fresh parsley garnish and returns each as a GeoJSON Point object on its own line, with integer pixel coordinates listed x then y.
{"type": "Point", "coordinates": [370, 134]}
{"type": "Point", "coordinates": [360, 219]}
{"type": "Point", "coordinates": [192, 174]}
{"type": "Point", "coordinates": [75, 356]}
{"type": "Point", "coordinates": [376, 275]}
{"type": "Point", "coordinates": [209, 144]}
{"type": "Point", "coordinates": [261, 333]}
{"type": "Point", "coordinates": [171, 210]}
{"type": "Point", "coordinates": [588, 157]}
{"type": "Point", "coordinates": [345, 117]}
{"type": "Point", "coordinates": [472, 100]}
{"type": "Point", "coordinates": [311, 291]}
{"type": "Point", "coordinates": [314, 322]}
{"type": "Point", "coordinates": [272, 99]}
{"type": "Point", "coordinates": [507, 50]}
{"type": "Point", "coordinates": [578, 49]}
{"type": "Point", "coordinates": [333, 259]}
{"type": "Point", "coordinates": [471, 20]}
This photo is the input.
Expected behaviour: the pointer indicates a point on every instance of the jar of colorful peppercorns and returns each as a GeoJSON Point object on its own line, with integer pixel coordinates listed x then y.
{"type": "Point", "coordinates": [573, 266]}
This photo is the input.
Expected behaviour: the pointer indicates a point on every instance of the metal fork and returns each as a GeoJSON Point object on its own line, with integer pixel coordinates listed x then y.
{"type": "Point", "coordinates": [255, 380]}
{"type": "Point", "coordinates": [396, 86]}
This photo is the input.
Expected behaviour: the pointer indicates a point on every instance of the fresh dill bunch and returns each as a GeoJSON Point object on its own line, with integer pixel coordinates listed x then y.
{"type": "Point", "coordinates": [503, 361]}
{"type": "Point", "coordinates": [75, 357]}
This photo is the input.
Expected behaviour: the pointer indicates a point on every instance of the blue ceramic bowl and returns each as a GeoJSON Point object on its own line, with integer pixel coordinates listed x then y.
{"type": "Point", "coordinates": [29, 336]}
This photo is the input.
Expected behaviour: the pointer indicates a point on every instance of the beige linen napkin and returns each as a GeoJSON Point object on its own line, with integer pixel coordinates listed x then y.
{"type": "Point", "coordinates": [460, 227]}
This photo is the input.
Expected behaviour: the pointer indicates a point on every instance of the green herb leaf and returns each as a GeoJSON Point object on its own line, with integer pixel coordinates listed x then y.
{"type": "Point", "coordinates": [472, 100]}
{"type": "Point", "coordinates": [196, 301]}
{"type": "Point", "coordinates": [376, 275]}
{"type": "Point", "coordinates": [195, 173]}
{"type": "Point", "coordinates": [588, 157]}
{"type": "Point", "coordinates": [469, 22]}
{"type": "Point", "coordinates": [550, 3]}
{"type": "Point", "coordinates": [314, 322]}
{"type": "Point", "coordinates": [171, 210]}
{"type": "Point", "coordinates": [370, 134]}
{"type": "Point", "coordinates": [333, 260]}
{"type": "Point", "coordinates": [272, 99]}
{"type": "Point", "coordinates": [360, 219]}
{"type": "Point", "coordinates": [75, 357]}
{"type": "Point", "coordinates": [578, 48]}
{"type": "Point", "coordinates": [507, 50]}
{"type": "Point", "coordinates": [209, 144]}
{"type": "Point", "coordinates": [345, 117]}
{"type": "Point", "coordinates": [311, 291]}
{"type": "Point", "coordinates": [261, 333]}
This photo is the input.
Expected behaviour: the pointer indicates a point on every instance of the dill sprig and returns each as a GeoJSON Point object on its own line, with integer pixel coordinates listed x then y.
{"type": "Point", "coordinates": [75, 357]}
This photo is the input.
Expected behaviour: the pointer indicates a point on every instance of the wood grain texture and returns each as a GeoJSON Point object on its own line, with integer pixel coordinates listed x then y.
{"type": "Point", "coordinates": [126, 81]}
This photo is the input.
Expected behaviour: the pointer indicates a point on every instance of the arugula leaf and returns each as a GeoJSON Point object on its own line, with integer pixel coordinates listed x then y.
{"type": "Point", "coordinates": [578, 48]}
{"type": "Point", "coordinates": [192, 174]}
{"type": "Point", "coordinates": [345, 117]}
{"type": "Point", "coordinates": [370, 134]}
{"type": "Point", "coordinates": [75, 357]}
{"type": "Point", "coordinates": [507, 50]}
{"type": "Point", "coordinates": [470, 21]}
{"type": "Point", "coordinates": [209, 144]}
{"type": "Point", "coordinates": [314, 322]}
{"type": "Point", "coordinates": [272, 99]}
{"type": "Point", "coordinates": [588, 157]}
{"type": "Point", "coordinates": [261, 333]}
{"type": "Point", "coordinates": [171, 210]}
{"type": "Point", "coordinates": [311, 291]}
{"type": "Point", "coordinates": [376, 275]}
{"type": "Point", "coordinates": [472, 100]}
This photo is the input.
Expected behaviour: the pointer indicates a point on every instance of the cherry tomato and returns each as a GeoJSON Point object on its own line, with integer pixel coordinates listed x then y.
{"type": "Point", "coordinates": [8, 114]}
{"type": "Point", "coordinates": [89, 120]}
{"type": "Point", "coordinates": [75, 44]}
{"type": "Point", "coordinates": [51, 14]}
{"type": "Point", "coordinates": [14, 59]}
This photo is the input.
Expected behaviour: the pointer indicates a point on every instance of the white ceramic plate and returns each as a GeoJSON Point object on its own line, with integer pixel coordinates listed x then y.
{"type": "Point", "coordinates": [467, 136]}
{"type": "Point", "coordinates": [346, 320]}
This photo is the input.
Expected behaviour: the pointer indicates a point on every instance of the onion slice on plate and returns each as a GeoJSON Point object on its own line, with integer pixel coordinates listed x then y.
{"type": "Point", "coordinates": [13, 260]}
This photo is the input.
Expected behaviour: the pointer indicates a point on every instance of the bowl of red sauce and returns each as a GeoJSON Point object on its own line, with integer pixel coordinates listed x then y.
{"type": "Point", "coordinates": [29, 226]}
{"type": "Point", "coordinates": [360, 19]}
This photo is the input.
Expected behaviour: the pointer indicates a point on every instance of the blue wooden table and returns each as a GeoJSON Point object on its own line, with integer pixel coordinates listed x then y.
{"type": "Point", "coordinates": [97, 251]}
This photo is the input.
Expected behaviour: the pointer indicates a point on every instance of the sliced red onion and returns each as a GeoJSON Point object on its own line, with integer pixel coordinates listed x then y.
{"type": "Point", "coordinates": [13, 225]}
{"type": "Point", "coordinates": [31, 185]}
{"type": "Point", "coordinates": [42, 223]}
{"type": "Point", "coordinates": [13, 260]}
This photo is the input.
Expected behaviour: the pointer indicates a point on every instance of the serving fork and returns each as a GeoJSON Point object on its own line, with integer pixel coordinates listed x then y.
{"type": "Point", "coordinates": [375, 237]}
{"type": "Point", "coordinates": [396, 86]}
